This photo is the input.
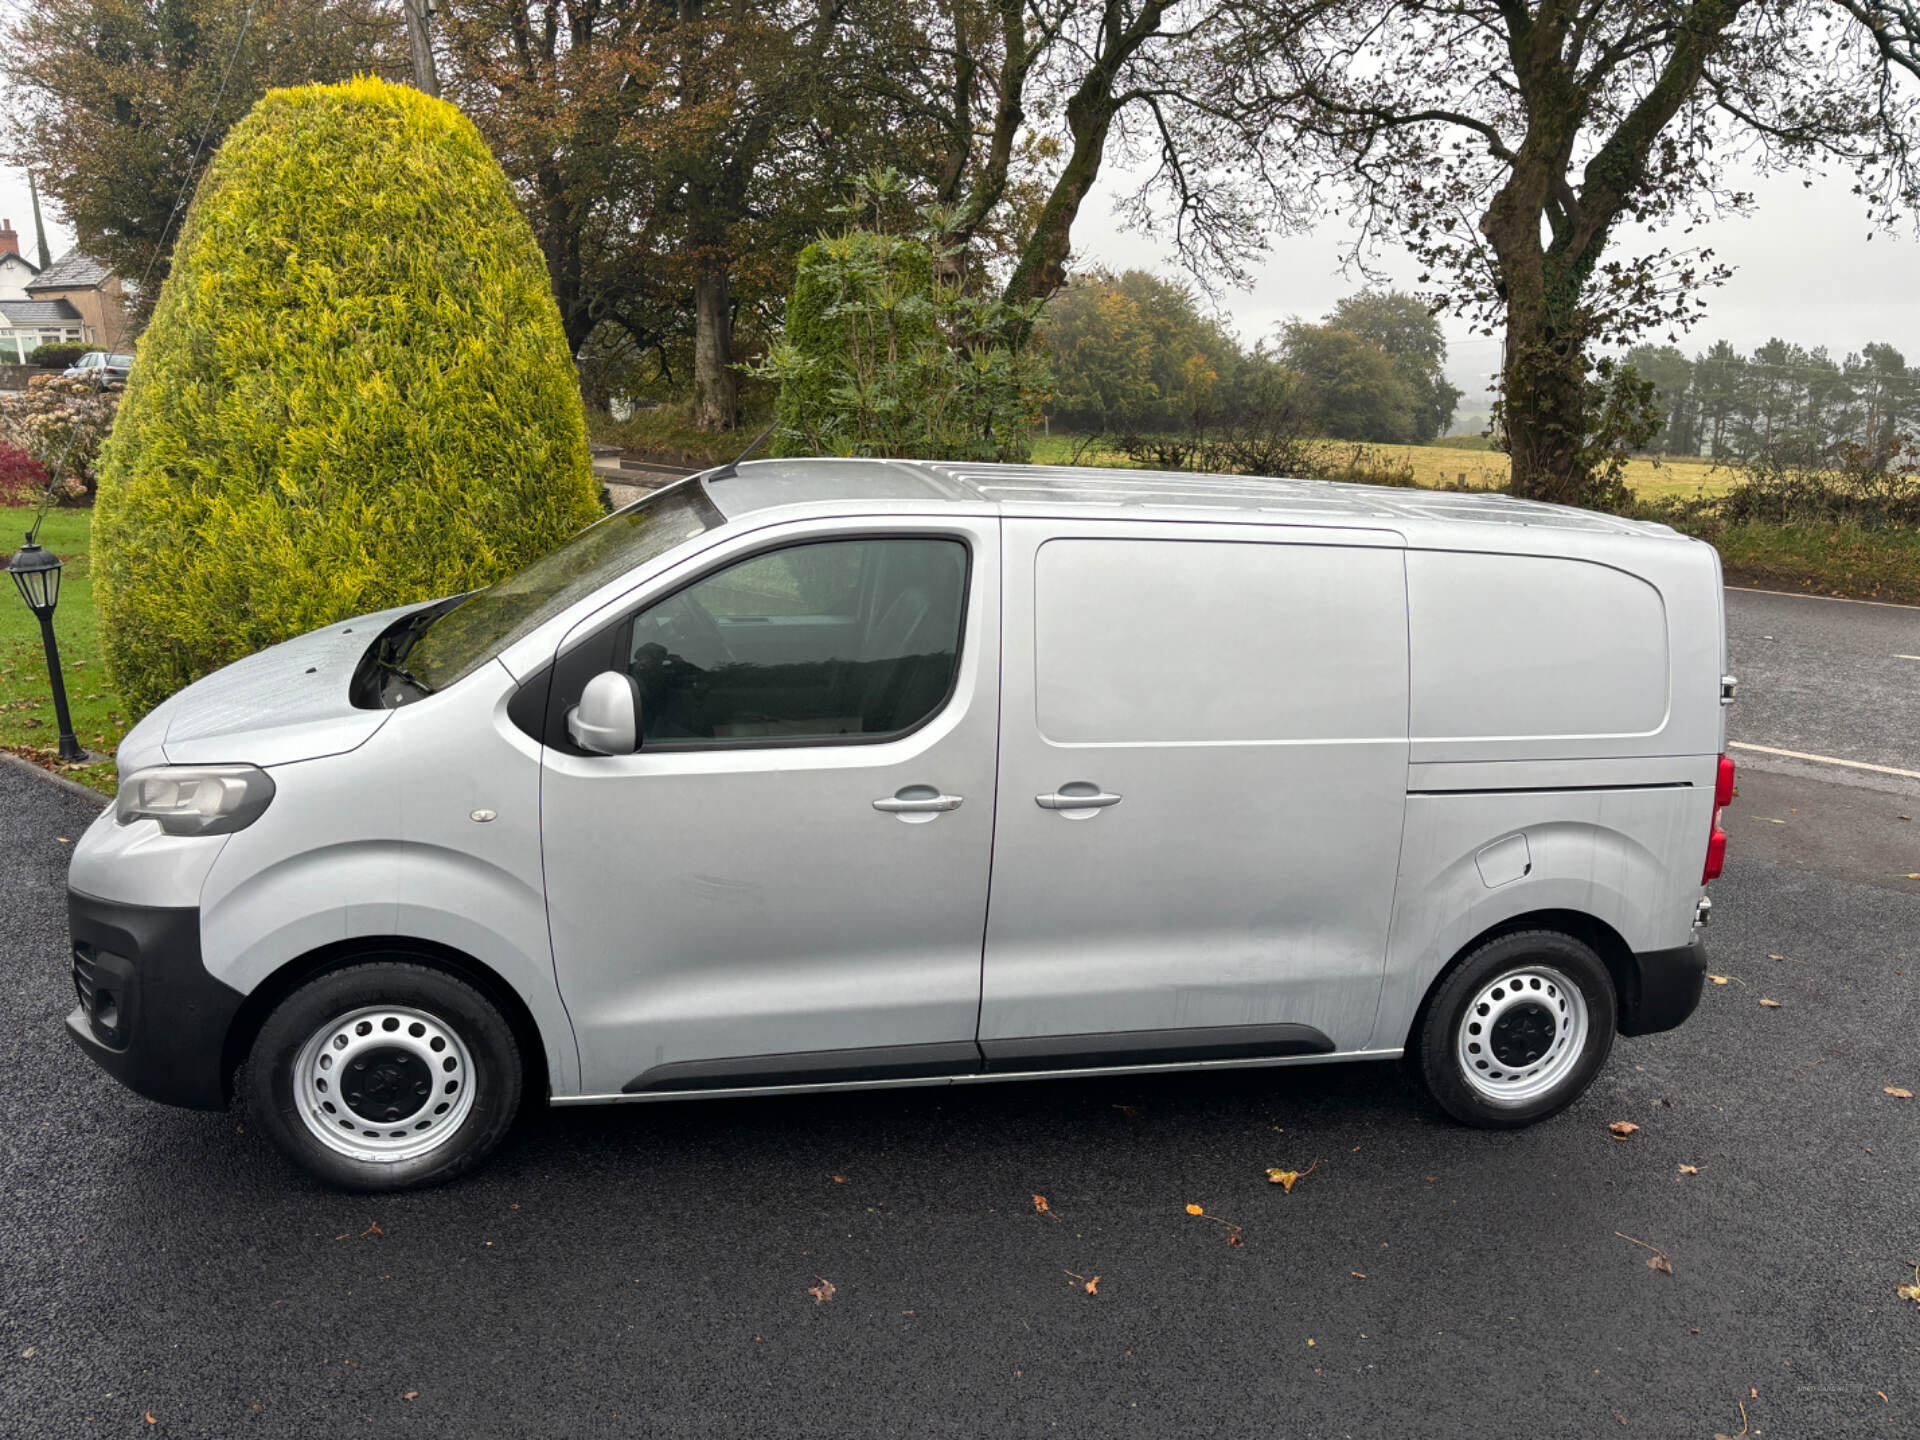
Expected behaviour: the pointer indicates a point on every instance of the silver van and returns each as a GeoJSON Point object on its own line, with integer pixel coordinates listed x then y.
{"type": "Point", "coordinates": [812, 774]}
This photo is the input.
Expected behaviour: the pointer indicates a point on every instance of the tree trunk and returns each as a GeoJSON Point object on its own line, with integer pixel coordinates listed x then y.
{"type": "Point", "coordinates": [716, 387]}
{"type": "Point", "coordinates": [425, 78]}
{"type": "Point", "coordinates": [1544, 378]}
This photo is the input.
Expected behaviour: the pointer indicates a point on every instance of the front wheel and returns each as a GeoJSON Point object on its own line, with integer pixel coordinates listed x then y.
{"type": "Point", "coordinates": [1518, 1030]}
{"type": "Point", "coordinates": [385, 1076]}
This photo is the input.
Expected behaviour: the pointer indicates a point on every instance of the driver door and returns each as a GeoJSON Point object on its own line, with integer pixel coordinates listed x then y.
{"type": "Point", "coordinates": [786, 883]}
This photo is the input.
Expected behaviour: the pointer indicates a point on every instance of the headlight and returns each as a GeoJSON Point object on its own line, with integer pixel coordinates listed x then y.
{"type": "Point", "coordinates": [195, 799]}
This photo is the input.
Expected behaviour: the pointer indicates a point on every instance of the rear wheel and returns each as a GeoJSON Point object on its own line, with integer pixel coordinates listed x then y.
{"type": "Point", "coordinates": [385, 1076]}
{"type": "Point", "coordinates": [1518, 1030]}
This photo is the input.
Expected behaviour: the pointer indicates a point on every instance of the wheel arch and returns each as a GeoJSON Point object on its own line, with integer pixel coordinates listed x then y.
{"type": "Point", "coordinates": [264, 997]}
{"type": "Point", "coordinates": [1590, 930]}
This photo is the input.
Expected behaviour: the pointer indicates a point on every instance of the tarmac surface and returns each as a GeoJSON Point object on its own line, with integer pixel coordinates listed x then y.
{"type": "Point", "coordinates": [650, 1270]}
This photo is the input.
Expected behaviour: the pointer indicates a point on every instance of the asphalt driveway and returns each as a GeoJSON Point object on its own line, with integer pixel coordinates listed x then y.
{"type": "Point", "coordinates": [657, 1270]}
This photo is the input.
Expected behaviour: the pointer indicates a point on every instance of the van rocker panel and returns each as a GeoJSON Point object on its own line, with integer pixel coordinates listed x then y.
{"type": "Point", "coordinates": [961, 1058]}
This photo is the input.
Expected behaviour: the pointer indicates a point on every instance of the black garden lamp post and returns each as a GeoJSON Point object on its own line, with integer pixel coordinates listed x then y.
{"type": "Point", "coordinates": [37, 573]}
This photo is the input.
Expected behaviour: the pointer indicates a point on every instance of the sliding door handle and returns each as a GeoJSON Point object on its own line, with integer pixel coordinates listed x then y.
{"type": "Point", "coordinates": [1077, 801]}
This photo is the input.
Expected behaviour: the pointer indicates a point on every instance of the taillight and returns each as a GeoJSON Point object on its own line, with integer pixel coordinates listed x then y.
{"type": "Point", "coordinates": [1716, 855]}
{"type": "Point", "coordinates": [1717, 839]}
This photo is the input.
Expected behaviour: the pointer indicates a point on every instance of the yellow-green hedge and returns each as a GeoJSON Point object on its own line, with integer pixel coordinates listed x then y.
{"type": "Point", "coordinates": [354, 391]}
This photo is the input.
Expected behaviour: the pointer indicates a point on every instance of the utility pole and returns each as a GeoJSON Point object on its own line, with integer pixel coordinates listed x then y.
{"type": "Point", "coordinates": [425, 79]}
{"type": "Point", "coordinates": [39, 230]}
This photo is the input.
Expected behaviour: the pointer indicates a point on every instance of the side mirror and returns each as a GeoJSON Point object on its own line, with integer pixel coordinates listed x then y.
{"type": "Point", "coordinates": [607, 719]}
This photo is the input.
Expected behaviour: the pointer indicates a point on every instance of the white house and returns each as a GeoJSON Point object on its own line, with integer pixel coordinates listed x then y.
{"type": "Point", "coordinates": [76, 302]}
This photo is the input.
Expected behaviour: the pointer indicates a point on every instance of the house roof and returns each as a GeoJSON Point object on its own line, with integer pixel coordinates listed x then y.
{"type": "Point", "coordinates": [38, 312]}
{"type": "Point", "coordinates": [72, 271]}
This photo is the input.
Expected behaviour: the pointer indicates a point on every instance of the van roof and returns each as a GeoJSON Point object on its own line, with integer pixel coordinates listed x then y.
{"type": "Point", "coordinates": [767, 484]}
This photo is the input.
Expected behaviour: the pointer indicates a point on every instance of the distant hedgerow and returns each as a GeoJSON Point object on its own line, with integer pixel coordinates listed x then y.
{"type": "Point", "coordinates": [354, 391]}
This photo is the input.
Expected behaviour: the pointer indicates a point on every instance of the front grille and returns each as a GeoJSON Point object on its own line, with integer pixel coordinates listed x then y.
{"type": "Point", "coordinates": [83, 978]}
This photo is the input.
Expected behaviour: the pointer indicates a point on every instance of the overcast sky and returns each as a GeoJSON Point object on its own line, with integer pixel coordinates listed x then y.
{"type": "Point", "coordinates": [1803, 270]}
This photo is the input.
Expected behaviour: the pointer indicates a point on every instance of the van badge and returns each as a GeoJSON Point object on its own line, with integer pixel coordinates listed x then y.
{"type": "Point", "coordinates": [481, 817]}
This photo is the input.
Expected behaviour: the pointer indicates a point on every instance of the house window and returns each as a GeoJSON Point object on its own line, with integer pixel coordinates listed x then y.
{"type": "Point", "coordinates": [9, 348]}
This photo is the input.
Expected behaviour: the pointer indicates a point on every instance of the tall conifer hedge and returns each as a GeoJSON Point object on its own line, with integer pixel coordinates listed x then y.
{"type": "Point", "coordinates": [354, 391]}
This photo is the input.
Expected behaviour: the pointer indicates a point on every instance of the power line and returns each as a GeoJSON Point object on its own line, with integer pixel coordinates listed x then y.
{"type": "Point", "coordinates": [179, 199]}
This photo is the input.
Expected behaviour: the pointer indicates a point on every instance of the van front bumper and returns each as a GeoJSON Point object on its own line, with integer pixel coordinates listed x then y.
{"type": "Point", "coordinates": [1663, 987]}
{"type": "Point", "coordinates": [149, 1014]}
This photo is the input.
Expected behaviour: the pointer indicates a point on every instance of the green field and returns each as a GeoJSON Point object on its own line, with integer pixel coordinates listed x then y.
{"type": "Point", "coordinates": [26, 700]}
{"type": "Point", "coordinates": [1436, 465]}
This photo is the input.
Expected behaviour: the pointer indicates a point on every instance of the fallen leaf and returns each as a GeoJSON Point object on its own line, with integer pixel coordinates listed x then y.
{"type": "Point", "coordinates": [1689, 1169]}
{"type": "Point", "coordinates": [411, 1395]}
{"type": "Point", "coordinates": [1915, 875]}
{"type": "Point", "coordinates": [839, 1179]}
{"type": "Point", "coordinates": [1195, 1210]}
{"type": "Point", "coordinates": [823, 1292]}
{"type": "Point", "coordinates": [1910, 1292]}
{"type": "Point", "coordinates": [1776, 957]}
{"type": "Point", "coordinates": [1286, 1179]}
{"type": "Point", "coordinates": [150, 1419]}
{"type": "Point", "coordinates": [1132, 1112]}
{"type": "Point", "coordinates": [1770, 1004]}
{"type": "Point", "coordinates": [1898, 1093]}
{"type": "Point", "coordinates": [1658, 1261]}
{"type": "Point", "coordinates": [1622, 1129]}
{"type": "Point", "coordinates": [1719, 979]}
{"type": "Point", "coordinates": [1040, 1206]}
{"type": "Point", "coordinates": [1358, 1274]}
{"type": "Point", "coordinates": [1772, 821]}
{"type": "Point", "coordinates": [373, 1229]}
{"type": "Point", "coordinates": [1233, 1237]}
{"type": "Point", "coordinates": [1092, 1286]}
{"type": "Point", "coordinates": [1309, 1343]}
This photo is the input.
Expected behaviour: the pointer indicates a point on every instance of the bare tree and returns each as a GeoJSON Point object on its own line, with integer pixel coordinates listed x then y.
{"type": "Point", "coordinates": [1513, 146]}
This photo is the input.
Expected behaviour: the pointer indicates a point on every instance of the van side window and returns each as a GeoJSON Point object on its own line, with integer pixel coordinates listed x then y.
{"type": "Point", "coordinates": [839, 638]}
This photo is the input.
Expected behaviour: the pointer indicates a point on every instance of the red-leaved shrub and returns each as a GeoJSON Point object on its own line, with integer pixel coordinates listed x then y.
{"type": "Point", "coordinates": [23, 479]}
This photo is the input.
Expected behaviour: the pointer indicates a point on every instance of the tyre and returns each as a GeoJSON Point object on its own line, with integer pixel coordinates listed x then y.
{"type": "Point", "coordinates": [1517, 1030]}
{"type": "Point", "coordinates": [386, 1075]}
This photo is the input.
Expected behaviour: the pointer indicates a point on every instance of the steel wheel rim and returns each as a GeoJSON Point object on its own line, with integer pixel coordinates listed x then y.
{"type": "Point", "coordinates": [357, 1079]}
{"type": "Point", "coordinates": [1521, 1035]}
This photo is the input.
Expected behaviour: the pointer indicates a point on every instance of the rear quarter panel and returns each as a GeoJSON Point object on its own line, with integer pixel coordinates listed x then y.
{"type": "Point", "coordinates": [1612, 817]}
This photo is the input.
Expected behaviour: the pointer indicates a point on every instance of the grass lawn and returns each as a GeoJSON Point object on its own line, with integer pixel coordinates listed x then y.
{"type": "Point", "coordinates": [27, 725]}
{"type": "Point", "coordinates": [1436, 465]}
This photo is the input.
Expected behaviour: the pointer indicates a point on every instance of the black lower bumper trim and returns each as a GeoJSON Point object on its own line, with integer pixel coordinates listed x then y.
{"type": "Point", "coordinates": [149, 1013]}
{"type": "Point", "coordinates": [1665, 986]}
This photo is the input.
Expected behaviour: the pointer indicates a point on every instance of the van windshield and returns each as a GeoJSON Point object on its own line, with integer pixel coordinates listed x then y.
{"type": "Point", "coordinates": [466, 637]}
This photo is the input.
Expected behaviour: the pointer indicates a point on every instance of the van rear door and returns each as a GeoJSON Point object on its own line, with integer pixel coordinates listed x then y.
{"type": "Point", "coordinates": [1201, 791]}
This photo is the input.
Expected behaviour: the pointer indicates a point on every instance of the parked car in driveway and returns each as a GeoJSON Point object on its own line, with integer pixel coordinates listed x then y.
{"type": "Point", "coordinates": [101, 368]}
{"type": "Point", "coordinates": [811, 774]}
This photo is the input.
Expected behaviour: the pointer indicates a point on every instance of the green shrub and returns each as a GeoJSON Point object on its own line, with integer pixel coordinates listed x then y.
{"type": "Point", "coordinates": [52, 356]}
{"type": "Point", "coordinates": [882, 358]}
{"type": "Point", "coordinates": [354, 391]}
{"type": "Point", "coordinates": [859, 299]}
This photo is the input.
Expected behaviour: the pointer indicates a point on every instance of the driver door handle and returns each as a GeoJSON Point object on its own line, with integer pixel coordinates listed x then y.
{"type": "Point", "coordinates": [917, 804]}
